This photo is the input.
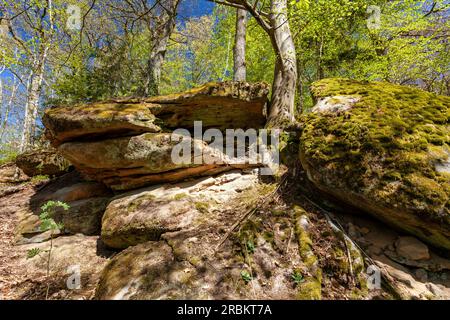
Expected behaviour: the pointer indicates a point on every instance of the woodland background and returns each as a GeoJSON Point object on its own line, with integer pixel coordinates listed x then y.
{"type": "Point", "coordinates": [66, 52]}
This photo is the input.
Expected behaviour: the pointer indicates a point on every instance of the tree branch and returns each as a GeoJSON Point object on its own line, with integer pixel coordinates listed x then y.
{"type": "Point", "coordinates": [244, 4]}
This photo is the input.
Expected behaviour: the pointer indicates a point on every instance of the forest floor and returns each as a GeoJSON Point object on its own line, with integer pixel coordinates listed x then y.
{"type": "Point", "coordinates": [19, 281]}
{"type": "Point", "coordinates": [12, 276]}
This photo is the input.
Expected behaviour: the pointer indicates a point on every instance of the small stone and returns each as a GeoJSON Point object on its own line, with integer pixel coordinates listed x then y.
{"type": "Point", "coordinates": [434, 289]}
{"type": "Point", "coordinates": [364, 230]}
{"type": "Point", "coordinates": [411, 248]}
{"type": "Point", "coordinates": [304, 222]}
{"type": "Point", "coordinates": [352, 232]}
{"type": "Point", "coordinates": [374, 250]}
{"type": "Point", "coordinates": [421, 275]}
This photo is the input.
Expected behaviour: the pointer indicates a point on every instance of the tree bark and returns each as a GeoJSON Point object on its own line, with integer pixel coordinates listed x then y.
{"type": "Point", "coordinates": [281, 112]}
{"type": "Point", "coordinates": [240, 71]}
{"type": "Point", "coordinates": [8, 108]}
{"type": "Point", "coordinates": [159, 43]}
{"type": "Point", "coordinates": [34, 90]}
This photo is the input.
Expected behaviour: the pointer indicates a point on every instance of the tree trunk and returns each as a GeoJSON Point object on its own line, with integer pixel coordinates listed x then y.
{"type": "Point", "coordinates": [1, 92]}
{"type": "Point", "coordinates": [159, 43]}
{"type": "Point", "coordinates": [8, 108]}
{"type": "Point", "coordinates": [281, 112]}
{"type": "Point", "coordinates": [1, 97]}
{"type": "Point", "coordinates": [300, 102]}
{"type": "Point", "coordinates": [153, 76]}
{"type": "Point", "coordinates": [34, 90]}
{"type": "Point", "coordinates": [240, 71]}
{"type": "Point", "coordinates": [34, 85]}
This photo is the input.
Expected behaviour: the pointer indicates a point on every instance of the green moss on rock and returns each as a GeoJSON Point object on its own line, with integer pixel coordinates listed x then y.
{"type": "Point", "coordinates": [381, 152]}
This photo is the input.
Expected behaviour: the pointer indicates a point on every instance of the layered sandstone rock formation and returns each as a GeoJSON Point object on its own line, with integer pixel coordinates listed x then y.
{"type": "Point", "coordinates": [127, 144]}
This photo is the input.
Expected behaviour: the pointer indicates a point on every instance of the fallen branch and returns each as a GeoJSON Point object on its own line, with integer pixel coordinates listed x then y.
{"type": "Point", "coordinates": [249, 213]}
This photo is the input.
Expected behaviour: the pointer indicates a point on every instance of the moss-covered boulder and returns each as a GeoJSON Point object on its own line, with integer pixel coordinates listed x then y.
{"type": "Point", "coordinates": [42, 162]}
{"type": "Point", "coordinates": [218, 105]}
{"type": "Point", "coordinates": [383, 148]}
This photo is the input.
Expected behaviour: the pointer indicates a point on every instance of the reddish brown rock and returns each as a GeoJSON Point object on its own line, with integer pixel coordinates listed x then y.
{"type": "Point", "coordinates": [42, 162]}
{"type": "Point", "coordinates": [218, 105]}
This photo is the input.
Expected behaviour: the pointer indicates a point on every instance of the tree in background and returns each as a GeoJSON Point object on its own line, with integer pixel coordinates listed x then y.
{"type": "Point", "coordinates": [240, 71]}
{"type": "Point", "coordinates": [120, 50]}
{"type": "Point", "coordinates": [156, 19]}
{"type": "Point", "coordinates": [31, 31]}
{"type": "Point", "coordinates": [410, 47]}
{"type": "Point", "coordinates": [110, 52]}
{"type": "Point", "coordinates": [273, 19]}
{"type": "Point", "coordinates": [407, 45]}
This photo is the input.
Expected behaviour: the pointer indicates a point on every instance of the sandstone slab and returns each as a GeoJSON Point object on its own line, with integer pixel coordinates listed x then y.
{"type": "Point", "coordinates": [42, 162]}
{"type": "Point", "coordinates": [145, 214]}
{"type": "Point", "coordinates": [411, 248]}
{"type": "Point", "coordinates": [132, 162]}
{"type": "Point", "coordinates": [218, 105]}
{"type": "Point", "coordinates": [84, 216]}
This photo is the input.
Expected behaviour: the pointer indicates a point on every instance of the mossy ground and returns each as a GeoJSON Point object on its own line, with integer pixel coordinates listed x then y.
{"type": "Point", "coordinates": [386, 146]}
{"type": "Point", "coordinates": [306, 255]}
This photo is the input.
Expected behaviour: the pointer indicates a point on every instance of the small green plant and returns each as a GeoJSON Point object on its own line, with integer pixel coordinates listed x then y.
{"type": "Point", "coordinates": [179, 196]}
{"type": "Point", "coordinates": [202, 207]}
{"type": "Point", "coordinates": [33, 252]}
{"type": "Point", "coordinates": [246, 276]}
{"type": "Point", "coordinates": [49, 224]}
{"type": "Point", "coordinates": [7, 156]}
{"type": "Point", "coordinates": [250, 247]}
{"type": "Point", "coordinates": [39, 177]}
{"type": "Point", "coordinates": [40, 166]}
{"type": "Point", "coordinates": [47, 210]}
{"type": "Point", "coordinates": [297, 277]}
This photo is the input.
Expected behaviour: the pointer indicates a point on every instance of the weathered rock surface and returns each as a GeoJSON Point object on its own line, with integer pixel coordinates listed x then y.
{"type": "Point", "coordinates": [379, 149]}
{"type": "Point", "coordinates": [132, 162]}
{"type": "Point", "coordinates": [411, 248]}
{"type": "Point", "coordinates": [79, 191]}
{"type": "Point", "coordinates": [42, 162]}
{"type": "Point", "coordinates": [408, 279]}
{"type": "Point", "coordinates": [8, 172]}
{"type": "Point", "coordinates": [145, 214]}
{"type": "Point", "coordinates": [70, 254]}
{"type": "Point", "coordinates": [87, 201]}
{"type": "Point", "coordinates": [271, 255]}
{"type": "Point", "coordinates": [83, 216]}
{"type": "Point", "coordinates": [218, 105]}
{"type": "Point", "coordinates": [127, 144]}
{"type": "Point", "coordinates": [22, 278]}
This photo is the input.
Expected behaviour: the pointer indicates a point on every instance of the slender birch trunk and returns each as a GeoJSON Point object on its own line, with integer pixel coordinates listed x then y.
{"type": "Point", "coordinates": [240, 71]}
{"type": "Point", "coordinates": [34, 86]}
{"type": "Point", "coordinates": [8, 107]}
{"type": "Point", "coordinates": [34, 91]}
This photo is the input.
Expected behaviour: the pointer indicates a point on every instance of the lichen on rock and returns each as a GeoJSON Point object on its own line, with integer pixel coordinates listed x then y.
{"type": "Point", "coordinates": [42, 162]}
